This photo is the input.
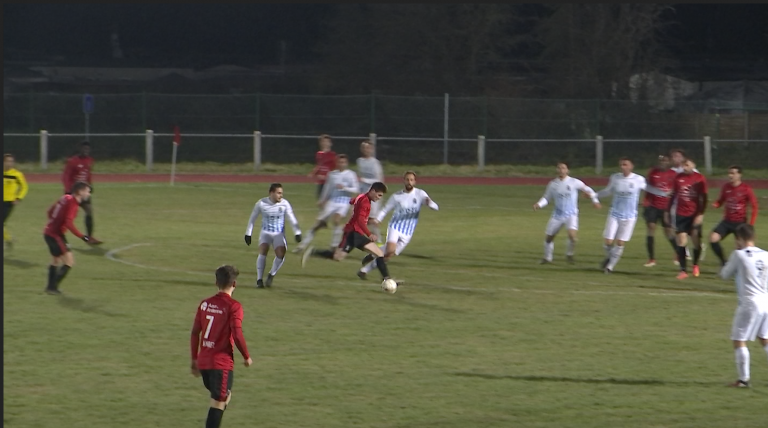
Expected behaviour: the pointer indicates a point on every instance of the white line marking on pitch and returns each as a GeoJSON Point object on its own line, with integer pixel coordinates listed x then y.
{"type": "Point", "coordinates": [110, 255]}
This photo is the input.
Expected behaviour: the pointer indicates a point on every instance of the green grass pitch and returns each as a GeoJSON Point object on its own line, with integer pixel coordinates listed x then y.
{"type": "Point", "coordinates": [480, 336]}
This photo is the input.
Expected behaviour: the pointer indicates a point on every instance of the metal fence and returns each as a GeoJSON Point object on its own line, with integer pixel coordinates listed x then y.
{"type": "Point", "coordinates": [411, 130]}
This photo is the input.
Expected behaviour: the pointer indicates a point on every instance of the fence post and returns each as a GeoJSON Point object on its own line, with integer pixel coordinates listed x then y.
{"type": "Point", "coordinates": [372, 139]}
{"type": "Point", "coordinates": [256, 150]}
{"type": "Point", "coordinates": [43, 149]}
{"type": "Point", "coordinates": [599, 154]}
{"type": "Point", "coordinates": [445, 130]}
{"type": "Point", "coordinates": [708, 154]}
{"type": "Point", "coordinates": [480, 152]}
{"type": "Point", "coordinates": [149, 149]}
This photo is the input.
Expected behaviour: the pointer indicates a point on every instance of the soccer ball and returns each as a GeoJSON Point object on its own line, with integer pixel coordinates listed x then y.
{"type": "Point", "coordinates": [389, 285]}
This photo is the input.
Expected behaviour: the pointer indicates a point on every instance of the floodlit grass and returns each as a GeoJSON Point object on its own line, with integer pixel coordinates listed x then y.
{"type": "Point", "coordinates": [480, 336]}
{"type": "Point", "coordinates": [134, 167]}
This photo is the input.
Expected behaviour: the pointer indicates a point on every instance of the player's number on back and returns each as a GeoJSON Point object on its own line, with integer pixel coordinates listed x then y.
{"type": "Point", "coordinates": [210, 324]}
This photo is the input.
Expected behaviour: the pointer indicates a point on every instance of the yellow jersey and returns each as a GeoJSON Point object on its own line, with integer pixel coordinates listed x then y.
{"type": "Point", "coordinates": [14, 185]}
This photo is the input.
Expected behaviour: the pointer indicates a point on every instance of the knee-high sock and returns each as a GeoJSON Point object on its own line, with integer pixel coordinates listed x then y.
{"type": "Point", "coordinates": [571, 246]}
{"type": "Point", "coordinates": [261, 263]}
{"type": "Point", "coordinates": [276, 264]}
{"type": "Point", "coordinates": [52, 270]}
{"type": "Point", "coordinates": [673, 242]}
{"type": "Point", "coordinates": [370, 266]}
{"type": "Point", "coordinates": [649, 245]}
{"type": "Point", "coordinates": [742, 363]}
{"type": "Point", "coordinates": [62, 273]}
{"type": "Point", "coordinates": [681, 257]}
{"type": "Point", "coordinates": [718, 249]}
{"type": "Point", "coordinates": [338, 231]}
{"type": "Point", "coordinates": [382, 265]}
{"type": "Point", "coordinates": [608, 249]}
{"type": "Point", "coordinates": [549, 249]}
{"type": "Point", "coordinates": [616, 253]}
{"type": "Point", "coordinates": [696, 255]}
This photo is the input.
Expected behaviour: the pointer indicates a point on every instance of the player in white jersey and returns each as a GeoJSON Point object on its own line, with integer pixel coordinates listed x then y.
{"type": "Point", "coordinates": [273, 210]}
{"type": "Point", "coordinates": [564, 191]}
{"type": "Point", "coordinates": [370, 171]}
{"type": "Point", "coordinates": [407, 205]}
{"type": "Point", "coordinates": [749, 264]}
{"type": "Point", "coordinates": [625, 186]}
{"type": "Point", "coordinates": [340, 186]}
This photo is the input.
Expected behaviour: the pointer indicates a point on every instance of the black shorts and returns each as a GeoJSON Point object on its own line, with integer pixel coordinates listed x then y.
{"type": "Point", "coordinates": [57, 245]}
{"type": "Point", "coordinates": [654, 215]}
{"type": "Point", "coordinates": [7, 208]}
{"type": "Point", "coordinates": [218, 382]}
{"type": "Point", "coordinates": [353, 240]}
{"type": "Point", "coordinates": [725, 228]}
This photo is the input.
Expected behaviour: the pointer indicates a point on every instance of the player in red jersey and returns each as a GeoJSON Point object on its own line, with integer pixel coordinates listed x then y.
{"type": "Point", "coordinates": [61, 216]}
{"type": "Point", "coordinates": [325, 162]}
{"type": "Point", "coordinates": [734, 196]}
{"type": "Point", "coordinates": [218, 326]}
{"type": "Point", "coordinates": [689, 194]}
{"type": "Point", "coordinates": [662, 177]}
{"type": "Point", "coordinates": [79, 168]}
{"type": "Point", "coordinates": [356, 232]}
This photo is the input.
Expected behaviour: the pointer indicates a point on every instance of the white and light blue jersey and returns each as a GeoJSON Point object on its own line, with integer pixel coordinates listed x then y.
{"type": "Point", "coordinates": [370, 171]}
{"type": "Point", "coordinates": [272, 216]}
{"type": "Point", "coordinates": [750, 267]}
{"type": "Point", "coordinates": [565, 195]}
{"type": "Point", "coordinates": [407, 207]}
{"type": "Point", "coordinates": [626, 194]}
{"type": "Point", "coordinates": [349, 186]}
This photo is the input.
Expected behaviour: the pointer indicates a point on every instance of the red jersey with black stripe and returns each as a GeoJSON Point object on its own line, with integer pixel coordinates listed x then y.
{"type": "Point", "coordinates": [735, 199]}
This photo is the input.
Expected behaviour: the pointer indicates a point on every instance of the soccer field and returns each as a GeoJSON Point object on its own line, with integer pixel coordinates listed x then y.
{"type": "Point", "coordinates": [481, 335]}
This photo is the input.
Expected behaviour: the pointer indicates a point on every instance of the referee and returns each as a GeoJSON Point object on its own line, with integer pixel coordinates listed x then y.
{"type": "Point", "coordinates": [14, 190]}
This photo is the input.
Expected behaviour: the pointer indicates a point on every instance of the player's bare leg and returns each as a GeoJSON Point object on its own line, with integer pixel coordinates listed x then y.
{"type": "Point", "coordinates": [616, 252]}
{"type": "Point", "coordinates": [338, 230]}
{"type": "Point", "coordinates": [261, 264]}
{"type": "Point", "coordinates": [310, 236]}
{"type": "Point", "coordinates": [276, 264]}
{"type": "Point", "coordinates": [571, 246]}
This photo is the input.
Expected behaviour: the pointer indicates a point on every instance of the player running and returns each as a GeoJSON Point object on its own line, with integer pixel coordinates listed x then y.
{"type": "Point", "coordinates": [662, 177]}
{"type": "Point", "coordinates": [14, 190]}
{"type": "Point", "coordinates": [217, 327]}
{"type": "Point", "coordinates": [356, 232]}
{"type": "Point", "coordinates": [370, 171]}
{"type": "Point", "coordinates": [325, 162]}
{"type": "Point", "coordinates": [734, 196]}
{"type": "Point", "coordinates": [407, 205]}
{"type": "Point", "coordinates": [620, 224]}
{"type": "Point", "coordinates": [61, 216]}
{"type": "Point", "coordinates": [749, 264]}
{"type": "Point", "coordinates": [341, 185]}
{"type": "Point", "coordinates": [688, 202]}
{"type": "Point", "coordinates": [564, 192]}
{"type": "Point", "coordinates": [273, 210]}
{"type": "Point", "coordinates": [79, 168]}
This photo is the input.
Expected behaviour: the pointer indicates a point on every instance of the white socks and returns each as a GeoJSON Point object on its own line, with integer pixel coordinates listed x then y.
{"type": "Point", "coordinates": [276, 265]}
{"type": "Point", "coordinates": [742, 363]}
{"type": "Point", "coordinates": [261, 263]}
{"type": "Point", "coordinates": [570, 247]}
{"type": "Point", "coordinates": [549, 250]}
{"type": "Point", "coordinates": [607, 249]}
{"type": "Point", "coordinates": [616, 253]}
{"type": "Point", "coordinates": [337, 233]}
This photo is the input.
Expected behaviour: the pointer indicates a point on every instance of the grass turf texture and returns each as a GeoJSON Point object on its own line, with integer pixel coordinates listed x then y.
{"type": "Point", "coordinates": [481, 335]}
{"type": "Point", "coordinates": [390, 169]}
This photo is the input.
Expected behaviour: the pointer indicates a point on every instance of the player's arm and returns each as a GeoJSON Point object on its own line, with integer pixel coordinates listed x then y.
{"type": "Point", "coordinates": [236, 326]}
{"type": "Point", "coordinates": [379, 171]}
{"type": "Point", "coordinates": [249, 228]}
{"type": "Point", "coordinates": [194, 343]}
{"type": "Point", "coordinates": [389, 206]}
{"type": "Point", "coordinates": [293, 220]}
{"type": "Point", "coordinates": [754, 204]}
{"type": "Point", "coordinates": [362, 220]}
{"type": "Point", "coordinates": [672, 196]}
{"type": "Point", "coordinates": [544, 199]}
{"type": "Point", "coordinates": [354, 187]}
{"type": "Point", "coordinates": [730, 268]}
{"type": "Point", "coordinates": [652, 189]}
{"type": "Point", "coordinates": [430, 203]}
{"type": "Point", "coordinates": [608, 189]}
{"type": "Point", "coordinates": [589, 192]}
{"type": "Point", "coordinates": [703, 197]}
{"type": "Point", "coordinates": [719, 202]}
{"type": "Point", "coordinates": [21, 192]}
{"type": "Point", "coordinates": [69, 221]}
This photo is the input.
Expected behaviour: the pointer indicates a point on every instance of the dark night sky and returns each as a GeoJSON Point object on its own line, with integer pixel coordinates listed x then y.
{"type": "Point", "coordinates": [256, 29]}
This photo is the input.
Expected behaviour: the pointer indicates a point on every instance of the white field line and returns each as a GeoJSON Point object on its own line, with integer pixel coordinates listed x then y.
{"type": "Point", "coordinates": [110, 255]}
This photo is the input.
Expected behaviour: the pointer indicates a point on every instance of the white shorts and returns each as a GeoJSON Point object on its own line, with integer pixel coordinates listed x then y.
{"type": "Point", "coordinates": [555, 224]}
{"type": "Point", "coordinates": [750, 321]}
{"type": "Point", "coordinates": [275, 239]}
{"type": "Point", "coordinates": [618, 229]}
{"type": "Point", "coordinates": [400, 239]}
{"type": "Point", "coordinates": [332, 208]}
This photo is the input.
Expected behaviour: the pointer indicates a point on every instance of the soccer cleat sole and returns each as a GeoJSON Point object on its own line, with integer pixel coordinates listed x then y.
{"type": "Point", "coordinates": [362, 275]}
{"type": "Point", "coordinates": [544, 262]}
{"type": "Point", "coordinates": [651, 263]}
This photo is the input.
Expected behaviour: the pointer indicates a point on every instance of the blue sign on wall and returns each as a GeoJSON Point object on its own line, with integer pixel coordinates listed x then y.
{"type": "Point", "coordinates": [87, 103]}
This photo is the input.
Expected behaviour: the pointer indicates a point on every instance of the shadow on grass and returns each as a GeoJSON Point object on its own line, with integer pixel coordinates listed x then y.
{"type": "Point", "coordinates": [208, 284]}
{"type": "Point", "coordinates": [416, 256]}
{"type": "Point", "coordinates": [21, 264]}
{"type": "Point", "coordinates": [92, 251]}
{"type": "Point", "coordinates": [305, 295]}
{"type": "Point", "coordinates": [606, 381]}
{"type": "Point", "coordinates": [83, 306]}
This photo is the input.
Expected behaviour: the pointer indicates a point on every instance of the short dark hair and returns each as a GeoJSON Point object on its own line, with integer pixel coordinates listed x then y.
{"type": "Point", "coordinates": [745, 232]}
{"type": "Point", "coordinates": [409, 172]}
{"type": "Point", "coordinates": [563, 163]}
{"type": "Point", "coordinates": [341, 156]}
{"type": "Point", "coordinates": [681, 151]}
{"type": "Point", "coordinates": [80, 185]}
{"type": "Point", "coordinates": [274, 186]}
{"type": "Point", "coordinates": [736, 167]}
{"type": "Point", "coordinates": [625, 158]}
{"type": "Point", "coordinates": [379, 187]}
{"type": "Point", "coordinates": [226, 276]}
{"type": "Point", "coordinates": [323, 137]}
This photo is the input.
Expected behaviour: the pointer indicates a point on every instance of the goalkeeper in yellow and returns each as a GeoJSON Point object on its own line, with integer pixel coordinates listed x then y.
{"type": "Point", "coordinates": [14, 190]}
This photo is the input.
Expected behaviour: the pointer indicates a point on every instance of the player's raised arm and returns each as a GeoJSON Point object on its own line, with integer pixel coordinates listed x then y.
{"type": "Point", "coordinates": [236, 326]}
{"type": "Point", "coordinates": [754, 204]}
{"type": "Point", "coordinates": [731, 267]}
{"type": "Point", "coordinates": [389, 206]}
{"type": "Point", "coordinates": [249, 228]}
{"type": "Point", "coordinates": [293, 220]}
